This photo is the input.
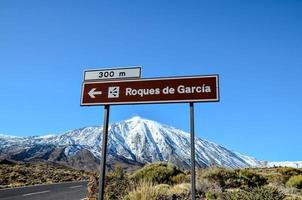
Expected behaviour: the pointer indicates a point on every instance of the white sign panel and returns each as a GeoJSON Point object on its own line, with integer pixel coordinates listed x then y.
{"type": "Point", "coordinates": [114, 73]}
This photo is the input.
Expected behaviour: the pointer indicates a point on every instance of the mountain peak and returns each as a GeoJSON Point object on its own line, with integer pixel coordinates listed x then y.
{"type": "Point", "coordinates": [135, 118]}
{"type": "Point", "coordinates": [138, 119]}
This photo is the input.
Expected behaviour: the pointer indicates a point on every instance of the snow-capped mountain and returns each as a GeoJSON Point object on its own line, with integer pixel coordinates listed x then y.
{"type": "Point", "coordinates": [135, 140]}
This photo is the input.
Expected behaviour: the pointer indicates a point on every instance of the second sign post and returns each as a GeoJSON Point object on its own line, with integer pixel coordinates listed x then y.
{"type": "Point", "coordinates": [145, 91]}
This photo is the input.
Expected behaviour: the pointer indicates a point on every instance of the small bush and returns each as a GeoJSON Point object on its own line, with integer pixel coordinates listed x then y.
{"type": "Point", "coordinates": [212, 195]}
{"type": "Point", "coordinates": [252, 179]}
{"type": "Point", "coordinates": [260, 193]}
{"type": "Point", "coordinates": [163, 189]}
{"type": "Point", "coordinates": [206, 188]}
{"type": "Point", "coordinates": [293, 198]}
{"type": "Point", "coordinates": [224, 178]}
{"type": "Point", "coordinates": [295, 181]}
{"type": "Point", "coordinates": [117, 184]}
{"type": "Point", "coordinates": [92, 187]}
{"type": "Point", "coordinates": [267, 193]}
{"type": "Point", "coordinates": [236, 195]}
{"type": "Point", "coordinates": [180, 178]}
{"type": "Point", "coordinates": [228, 178]}
{"type": "Point", "coordinates": [176, 192]}
{"type": "Point", "coordinates": [180, 189]}
{"type": "Point", "coordinates": [144, 191]}
{"type": "Point", "coordinates": [157, 173]}
{"type": "Point", "coordinates": [288, 172]}
{"type": "Point", "coordinates": [274, 178]}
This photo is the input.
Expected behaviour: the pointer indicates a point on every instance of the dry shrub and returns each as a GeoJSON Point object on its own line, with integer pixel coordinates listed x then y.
{"type": "Point", "coordinates": [294, 198]}
{"type": "Point", "coordinates": [251, 178]}
{"type": "Point", "coordinates": [295, 181]}
{"type": "Point", "coordinates": [180, 178]}
{"type": "Point", "coordinates": [117, 184]}
{"type": "Point", "coordinates": [163, 189]}
{"type": "Point", "coordinates": [180, 189]}
{"type": "Point", "coordinates": [92, 188]}
{"type": "Point", "coordinates": [204, 186]}
{"type": "Point", "coordinates": [224, 178]}
{"type": "Point", "coordinates": [157, 173]}
{"type": "Point", "coordinates": [261, 193]}
{"type": "Point", "coordinates": [288, 172]}
{"type": "Point", "coordinates": [144, 191]}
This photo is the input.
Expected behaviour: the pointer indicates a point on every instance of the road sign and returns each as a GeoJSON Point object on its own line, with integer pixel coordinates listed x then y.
{"type": "Point", "coordinates": [156, 90]}
{"type": "Point", "coordinates": [116, 73]}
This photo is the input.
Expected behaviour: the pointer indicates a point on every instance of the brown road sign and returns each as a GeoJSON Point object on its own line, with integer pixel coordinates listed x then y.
{"type": "Point", "coordinates": [155, 90]}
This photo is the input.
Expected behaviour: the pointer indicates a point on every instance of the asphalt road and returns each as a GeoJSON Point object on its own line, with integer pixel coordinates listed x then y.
{"type": "Point", "coordinates": [60, 191]}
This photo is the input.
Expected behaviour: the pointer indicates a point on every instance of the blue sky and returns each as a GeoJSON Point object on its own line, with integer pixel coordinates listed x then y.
{"type": "Point", "coordinates": [255, 46]}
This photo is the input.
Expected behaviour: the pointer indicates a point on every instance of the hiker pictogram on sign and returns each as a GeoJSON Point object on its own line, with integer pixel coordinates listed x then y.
{"type": "Point", "coordinates": [113, 92]}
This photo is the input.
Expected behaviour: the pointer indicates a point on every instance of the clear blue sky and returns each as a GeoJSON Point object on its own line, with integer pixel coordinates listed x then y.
{"type": "Point", "coordinates": [255, 46]}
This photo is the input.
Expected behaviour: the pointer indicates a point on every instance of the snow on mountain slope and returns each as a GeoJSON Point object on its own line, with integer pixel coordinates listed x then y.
{"type": "Point", "coordinates": [139, 140]}
{"type": "Point", "coordinates": [297, 164]}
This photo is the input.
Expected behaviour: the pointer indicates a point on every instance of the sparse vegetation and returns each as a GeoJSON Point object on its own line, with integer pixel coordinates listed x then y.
{"type": "Point", "coordinates": [162, 181]}
{"type": "Point", "coordinates": [16, 175]}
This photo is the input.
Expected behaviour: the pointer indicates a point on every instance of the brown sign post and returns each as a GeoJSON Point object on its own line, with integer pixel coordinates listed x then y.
{"type": "Point", "coordinates": [145, 91]}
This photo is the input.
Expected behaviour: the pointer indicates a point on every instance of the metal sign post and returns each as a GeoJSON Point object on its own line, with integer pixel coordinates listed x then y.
{"type": "Point", "coordinates": [104, 153]}
{"type": "Point", "coordinates": [192, 131]}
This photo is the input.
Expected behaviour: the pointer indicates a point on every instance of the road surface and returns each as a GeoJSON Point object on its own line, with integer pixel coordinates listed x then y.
{"type": "Point", "coordinates": [60, 191]}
